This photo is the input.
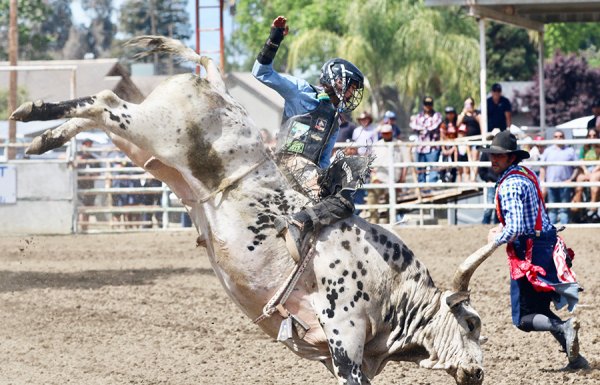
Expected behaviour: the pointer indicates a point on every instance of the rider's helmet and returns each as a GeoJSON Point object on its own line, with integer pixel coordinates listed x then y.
{"type": "Point", "coordinates": [346, 80]}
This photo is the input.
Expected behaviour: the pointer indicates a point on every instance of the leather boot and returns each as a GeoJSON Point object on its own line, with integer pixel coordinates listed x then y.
{"type": "Point", "coordinates": [579, 363]}
{"type": "Point", "coordinates": [570, 330]}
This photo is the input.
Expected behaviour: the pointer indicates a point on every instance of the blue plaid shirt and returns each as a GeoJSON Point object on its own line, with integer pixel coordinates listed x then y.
{"type": "Point", "coordinates": [520, 204]}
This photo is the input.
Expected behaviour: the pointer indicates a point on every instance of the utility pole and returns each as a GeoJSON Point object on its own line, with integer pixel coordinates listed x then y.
{"type": "Point", "coordinates": [13, 52]}
{"type": "Point", "coordinates": [153, 31]}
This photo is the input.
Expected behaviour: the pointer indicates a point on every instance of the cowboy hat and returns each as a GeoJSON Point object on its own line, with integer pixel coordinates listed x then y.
{"type": "Point", "coordinates": [505, 143]}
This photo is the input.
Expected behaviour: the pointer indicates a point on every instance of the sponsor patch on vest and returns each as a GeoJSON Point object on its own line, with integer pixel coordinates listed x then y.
{"type": "Point", "coordinates": [316, 137]}
{"type": "Point", "coordinates": [296, 146]}
{"type": "Point", "coordinates": [321, 124]}
{"type": "Point", "coordinates": [297, 130]}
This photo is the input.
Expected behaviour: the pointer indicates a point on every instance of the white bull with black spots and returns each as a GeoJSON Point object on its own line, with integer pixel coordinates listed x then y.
{"type": "Point", "coordinates": [365, 296]}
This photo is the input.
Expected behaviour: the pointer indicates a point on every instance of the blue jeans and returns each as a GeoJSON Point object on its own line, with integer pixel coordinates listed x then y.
{"type": "Point", "coordinates": [559, 195]}
{"type": "Point", "coordinates": [489, 215]}
{"type": "Point", "coordinates": [523, 297]}
{"type": "Point", "coordinates": [431, 156]}
{"type": "Point", "coordinates": [186, 221]}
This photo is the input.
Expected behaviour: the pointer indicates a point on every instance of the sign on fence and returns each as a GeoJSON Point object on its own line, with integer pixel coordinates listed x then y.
{"type": "Point", "coordinates": [8, 184]}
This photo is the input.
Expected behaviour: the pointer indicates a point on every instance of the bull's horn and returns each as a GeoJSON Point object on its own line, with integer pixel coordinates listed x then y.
{"type": "Point", "coordinates": [463, 274]}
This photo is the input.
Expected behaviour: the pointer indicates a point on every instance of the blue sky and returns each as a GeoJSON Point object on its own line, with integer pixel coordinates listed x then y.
{"type": "Point", "coordinates": [209, 18]}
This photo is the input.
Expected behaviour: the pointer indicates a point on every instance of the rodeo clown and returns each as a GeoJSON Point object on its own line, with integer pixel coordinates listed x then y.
{"type": "Point", "coordinates": [310, 127]}
{"type": "Point", "coordinates": [538, 258]}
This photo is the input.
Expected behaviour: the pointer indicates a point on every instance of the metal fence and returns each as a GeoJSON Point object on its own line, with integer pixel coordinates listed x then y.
{"type": "Point", "coordinates": [114, 195]}
{"type": "Point", "coordinates": [427, 200]}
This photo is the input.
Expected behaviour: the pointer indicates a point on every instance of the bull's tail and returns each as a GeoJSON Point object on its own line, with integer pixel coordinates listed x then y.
{"type": "Point", "coordinates": [165, 45]}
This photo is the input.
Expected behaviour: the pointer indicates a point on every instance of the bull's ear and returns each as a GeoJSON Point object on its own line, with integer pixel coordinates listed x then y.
{"type": "Point", "coordinates": [455, 299]}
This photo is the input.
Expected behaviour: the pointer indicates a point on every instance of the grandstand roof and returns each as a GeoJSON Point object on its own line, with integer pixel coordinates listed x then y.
{"type": "Point", "coordinates": [531, 14]}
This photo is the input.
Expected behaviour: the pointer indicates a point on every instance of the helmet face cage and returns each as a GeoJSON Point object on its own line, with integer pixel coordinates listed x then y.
{"type": "Point", "coordinates": [341, 75]}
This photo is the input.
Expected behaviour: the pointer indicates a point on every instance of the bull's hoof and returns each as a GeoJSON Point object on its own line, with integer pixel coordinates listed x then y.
{"type": "Point", "coordinates": [35, 148]}
{"type": "Point", "coordinates": [22, 112]}
{"type": "Point", "coordinates": [43, 143]}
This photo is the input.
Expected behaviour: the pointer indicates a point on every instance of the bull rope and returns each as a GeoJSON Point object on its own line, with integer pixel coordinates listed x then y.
{"type": "Point", "coordinates": [286, 289]}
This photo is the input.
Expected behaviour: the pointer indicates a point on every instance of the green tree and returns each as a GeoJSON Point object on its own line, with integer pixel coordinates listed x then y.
{"type": "Point", "coordinates": [570, 88]}
{"type": "Point", "coordinates": [510, 53]}
{"type": "Point", "coordinates": [160, 17]}
{"type": "Point", "coordinates": [31, 14]}
{"type": "Point", "coordinates": [56, 25]}
{"type": "Point", "coordinates": [43, 28]}
{"type": "Point", "coordinates": [571, 37]}
{"type": "Point", "coordinates": [21, 98]}
{"type": "Point", "coordinates": [101, 30]}
{"type": "Point", "coordinates": [254, 17]}
{"type": "Point", "coordinates": [155, 17]}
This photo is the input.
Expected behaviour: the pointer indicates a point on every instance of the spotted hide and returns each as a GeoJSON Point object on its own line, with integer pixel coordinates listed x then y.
{"type": "Point", "coordinates": [365, 296]}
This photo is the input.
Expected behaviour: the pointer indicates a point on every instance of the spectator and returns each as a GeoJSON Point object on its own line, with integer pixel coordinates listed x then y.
{"type": "Point", "coordinates": [558, 153]}
{"type": "Point", "coordinates": [470, 117]}
{"type": "Point", "coordinates": [472, 121]}
{"type": "Point", "coordinates": [86, 181]}
{"type": "Point", "coordinates": [595, 121]}
{"type": "Point", "coordinates": [426, 125]}
{"type": "Point", "coordinates": [365, 134]}
{"type": "Point", "coordinates": [589, 152]}
{"type": "Point", "coordinates": [380, 170]}
{"type": "Point", "coordinates": [151, 199]}
{"type": "Point", "coordinates": [498, 109]}
{"type": "Point", "coordinates": [449, 152]}
{"type": "Point", "coordinates": [124, 180]}
{"type": "Point", "coordinates": [463, 155]}
{"type": "Point", "coordinates": [487, 174]}
{"type": "Point", "coordinates": [535, 153]}
{"type": "Point", "coordinates": [186, 221]}
{"type": "Point", "coordinates": [363, 137]}
{"type": "Point", "coordinates": [389, 117]}
{"type": "Point", "coordinates": [450, 119]}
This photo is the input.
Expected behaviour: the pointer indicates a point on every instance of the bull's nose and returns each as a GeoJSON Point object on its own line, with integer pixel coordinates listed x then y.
{"type": "Point", "coordinates": [470, 376]}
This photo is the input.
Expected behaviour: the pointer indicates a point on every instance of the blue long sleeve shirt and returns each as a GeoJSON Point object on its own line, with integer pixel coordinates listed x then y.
{"type": "Point", "coordinates": [300, 98]}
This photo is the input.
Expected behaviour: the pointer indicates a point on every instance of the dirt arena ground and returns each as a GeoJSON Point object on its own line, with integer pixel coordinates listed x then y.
{"type": "Point", "coordinates": [146, 308]}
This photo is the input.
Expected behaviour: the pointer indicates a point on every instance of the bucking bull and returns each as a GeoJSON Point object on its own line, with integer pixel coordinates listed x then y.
{"type": "Point", "coordinates": [364, 298]}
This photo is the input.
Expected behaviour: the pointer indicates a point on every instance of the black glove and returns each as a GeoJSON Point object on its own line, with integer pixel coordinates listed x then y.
{"type": "Point", "coordinates": [267, 54]}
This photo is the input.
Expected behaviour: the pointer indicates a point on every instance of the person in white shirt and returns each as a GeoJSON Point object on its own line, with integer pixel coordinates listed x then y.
{"type": "Point", "coordinates": [365, 134]}
{"type": "Point", "coordinates": [380, 172]}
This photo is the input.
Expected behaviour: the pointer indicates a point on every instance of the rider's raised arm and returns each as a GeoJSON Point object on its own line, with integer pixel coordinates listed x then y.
{"type": "Point", "coordinates": [278, 31]}
{"type": "Point", "coordinates": [299, 95]}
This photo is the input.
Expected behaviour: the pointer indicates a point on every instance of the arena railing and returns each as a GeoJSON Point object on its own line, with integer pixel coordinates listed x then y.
{"type": "Point", "coordinates": [426, 195]}
{"type": "Point", "coordinates": [420, 201]}
{"type": "Point", "coordinates": [121, 208]}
